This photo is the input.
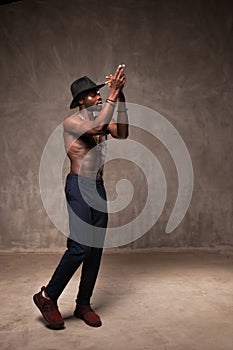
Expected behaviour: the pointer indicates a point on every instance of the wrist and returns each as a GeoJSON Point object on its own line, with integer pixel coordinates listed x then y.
{"type": "Point", "coordinates": [111, 102]}
{"type": "Point", "coordinates": [113, 96]}
{"type": "Point", "coordinates": [121, 96]}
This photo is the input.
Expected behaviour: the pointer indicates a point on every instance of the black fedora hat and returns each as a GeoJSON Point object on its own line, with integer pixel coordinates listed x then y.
{"type": "Point", "coordinates": [83, 84]}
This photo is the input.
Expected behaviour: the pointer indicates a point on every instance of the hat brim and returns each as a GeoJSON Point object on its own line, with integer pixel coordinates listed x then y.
{"type": "Point", "coordinates": [74, 102]}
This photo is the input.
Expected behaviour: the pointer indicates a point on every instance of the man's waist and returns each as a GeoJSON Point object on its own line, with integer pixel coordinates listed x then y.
{"type": "Point", "coordinates": [83, 178]}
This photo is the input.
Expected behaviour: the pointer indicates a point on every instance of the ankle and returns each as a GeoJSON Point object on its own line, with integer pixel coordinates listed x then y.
{"type": "Point", "coordinates": [44, 294]}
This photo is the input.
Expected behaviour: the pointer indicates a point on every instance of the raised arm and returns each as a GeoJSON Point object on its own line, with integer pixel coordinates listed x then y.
{"type": "Point", "coordinates": [119, 128]}
{"type": "Point", "coordinates": [74, 124]}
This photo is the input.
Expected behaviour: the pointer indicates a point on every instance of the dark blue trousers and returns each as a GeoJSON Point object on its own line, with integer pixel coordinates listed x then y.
{"type": "Point", "coordinates": [87, 208]}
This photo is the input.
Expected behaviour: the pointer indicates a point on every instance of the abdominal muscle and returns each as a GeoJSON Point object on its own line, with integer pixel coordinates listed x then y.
{"type": "Point", "coordinates": [86, 157]}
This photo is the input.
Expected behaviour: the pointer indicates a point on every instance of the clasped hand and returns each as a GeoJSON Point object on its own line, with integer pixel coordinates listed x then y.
{"type": "Point", "coordinates": [117, 80]}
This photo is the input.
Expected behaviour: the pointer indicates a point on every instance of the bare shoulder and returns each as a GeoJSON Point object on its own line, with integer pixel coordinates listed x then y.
{"type": "Point", "coordinates": [71, 122]}
{"type": "Point", "coordinates": [72, 117]}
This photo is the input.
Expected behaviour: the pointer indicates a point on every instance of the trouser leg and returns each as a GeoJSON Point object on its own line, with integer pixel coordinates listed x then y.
{"type": "Point", "coordinates": [89, 275]}
{"type": "Point", "coordinates": [91, 263]}
{"type": "Point", "coordinates": [71, 260]}
{"type": "Point", "coordinates": [79, 252]}
{"type": "Point", "coordinates": [76, 252]}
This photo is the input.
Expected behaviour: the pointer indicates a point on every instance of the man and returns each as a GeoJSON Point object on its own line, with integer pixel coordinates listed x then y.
{"type": "Point", "coordinates": [84, 136]}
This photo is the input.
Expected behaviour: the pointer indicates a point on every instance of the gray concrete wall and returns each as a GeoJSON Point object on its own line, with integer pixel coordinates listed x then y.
{"type": "Point", "coordinates": [179, 62]}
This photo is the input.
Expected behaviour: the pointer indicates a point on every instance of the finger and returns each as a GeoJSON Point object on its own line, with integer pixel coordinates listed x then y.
{"type": "Point", "coordinates": [109, 77]}
{"type": "Point", "coordinates": [122, 78]}
{"type": "Point", "coordinates": [116, 72]}
{"type": "Point", "coordinates": [119, 69]}
{"type": "Point", "coordinates": [109, 83]}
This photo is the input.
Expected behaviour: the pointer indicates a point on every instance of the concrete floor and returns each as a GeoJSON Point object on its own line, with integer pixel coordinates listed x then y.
{"type": "Point", "coordinates": [172, 301]}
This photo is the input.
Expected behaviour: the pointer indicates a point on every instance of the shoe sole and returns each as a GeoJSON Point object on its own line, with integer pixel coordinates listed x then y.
{"type": "Point", "coordinates": [54, 326]}
{"type": "Point", "coordinates": [97, 324]}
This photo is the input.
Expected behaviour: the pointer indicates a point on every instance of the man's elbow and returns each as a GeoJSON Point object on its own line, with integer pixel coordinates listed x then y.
{"type": "Point", "coordinates": [122, 136]}
{"type": "Point", "coordinates": [125, 136]}
{"type": "Point", "coordinates": [100, 129]}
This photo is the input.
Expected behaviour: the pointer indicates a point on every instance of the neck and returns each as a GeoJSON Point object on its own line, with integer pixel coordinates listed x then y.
{"type": "Point", "coordinates": [86, 114]}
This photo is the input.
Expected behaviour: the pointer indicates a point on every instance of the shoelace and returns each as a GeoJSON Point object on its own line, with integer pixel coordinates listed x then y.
{"type": "Point", "coordinates": [49, 305]}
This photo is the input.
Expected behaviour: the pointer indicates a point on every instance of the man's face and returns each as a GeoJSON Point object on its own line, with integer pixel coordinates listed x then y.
{"type": "Point", "coordinates": [93, 100]}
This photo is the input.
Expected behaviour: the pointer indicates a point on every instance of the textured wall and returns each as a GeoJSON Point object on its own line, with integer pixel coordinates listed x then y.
{"type": "Point", "coordinates": [179, 62]}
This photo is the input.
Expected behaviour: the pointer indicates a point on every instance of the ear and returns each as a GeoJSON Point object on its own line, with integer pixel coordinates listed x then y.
{"type": "Point", "coordinates": [81, 101]}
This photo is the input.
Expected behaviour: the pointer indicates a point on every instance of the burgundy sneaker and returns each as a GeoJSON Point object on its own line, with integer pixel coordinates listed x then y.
{"type": "Point", "coordinates": [86, 313]}
{"type": "Point", "coordinates": [49, 310]}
